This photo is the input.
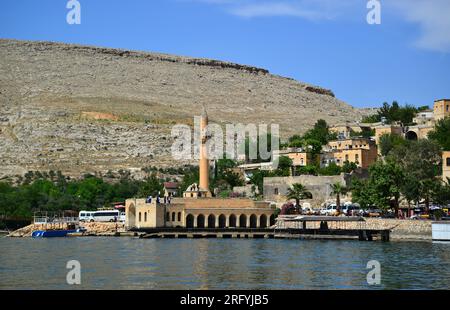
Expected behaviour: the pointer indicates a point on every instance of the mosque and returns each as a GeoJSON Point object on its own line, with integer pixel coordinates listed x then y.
{"type": "Point", "coordinates": [198, 208]}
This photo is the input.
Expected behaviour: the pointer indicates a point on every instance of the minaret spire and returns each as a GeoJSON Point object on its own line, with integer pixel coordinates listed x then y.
{"type": "Point", "coordinates": [204, 158]}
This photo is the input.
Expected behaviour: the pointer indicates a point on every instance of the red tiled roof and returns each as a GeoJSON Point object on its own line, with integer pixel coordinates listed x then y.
{"type": "Point", "coordinates": [170, 185]}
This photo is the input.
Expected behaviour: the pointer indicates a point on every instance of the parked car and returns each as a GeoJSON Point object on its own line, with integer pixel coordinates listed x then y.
{"type": "Point", "coordinates": [350, 209]}
{"type": "Point", "coordinates": [372, 213]}
{"type": "Point", "coordinates": [86, 216]}
{"type": "Point", "coordinates": [330, 210]}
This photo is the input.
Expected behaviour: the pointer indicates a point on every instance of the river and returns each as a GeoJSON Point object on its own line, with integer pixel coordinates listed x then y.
{"type": "Point", "coordinates": [129, 263]}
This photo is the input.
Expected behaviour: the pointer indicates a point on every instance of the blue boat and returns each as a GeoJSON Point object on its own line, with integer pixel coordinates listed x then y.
{"type": "Point", "coordinates": [57, 233]}
{"type": "Point", "coordinates": [52, 233]}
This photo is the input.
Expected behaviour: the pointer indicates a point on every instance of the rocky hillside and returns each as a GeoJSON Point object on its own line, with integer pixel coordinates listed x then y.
{"type": "Point", "coordinates": [83, 109]}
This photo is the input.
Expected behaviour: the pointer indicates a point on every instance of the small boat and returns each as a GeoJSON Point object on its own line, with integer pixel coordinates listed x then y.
{"type": "Point", "coordinates": [56, 233]}
{"type": "Point", "coordinates": [52, 233]}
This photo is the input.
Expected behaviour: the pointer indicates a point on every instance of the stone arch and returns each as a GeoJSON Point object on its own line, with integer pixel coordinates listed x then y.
{"type": "Point", "coordinates": [232, 221]}
{"type": "Point", "coordinates": [253, 221]}
{"type": "Point", "coordinates": [131, 216]}
{"type": "Point", "coordinates": [201, 221]}
{"type": "Point", "coordinates": [411, 135]}
{"type": "Point", "coordinates": [243, 221]}
{"type": "Point", "coordinates": [211, 221]}
{"type": "Point", "coordinates": [263, 221]}
{"type": "Point", "coordinates": [189, 221]}
{"type": "Point", "coordinates": [222, 221]}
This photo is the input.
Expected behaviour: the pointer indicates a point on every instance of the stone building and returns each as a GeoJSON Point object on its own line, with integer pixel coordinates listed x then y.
{"type": "Point", "coordinates": [441, 109]}
{"type": "Point", "coordinates": [361, 151]}
{"type": "Point", "coordinates": [387, 130]}
{"type": "Point", "coordinates": [347, 130]}
{"type": "Point", "coordinates": [446, 165]}
{"type": "Point", "coordinates": [197, 208]}
{"type": "Point", "coordinates": [171, 189]}
{"type": "Point", "coordinates": [275, 188]}
{"type": "Point", "coordinates": [299, 156]}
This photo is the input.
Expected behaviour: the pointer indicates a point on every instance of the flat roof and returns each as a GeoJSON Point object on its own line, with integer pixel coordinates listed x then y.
{"type": "Point", "coordinates": [441, 100]}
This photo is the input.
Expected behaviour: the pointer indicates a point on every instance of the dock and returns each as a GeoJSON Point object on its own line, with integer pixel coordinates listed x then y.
{"type": "Point", "coordinates": [323, 228]}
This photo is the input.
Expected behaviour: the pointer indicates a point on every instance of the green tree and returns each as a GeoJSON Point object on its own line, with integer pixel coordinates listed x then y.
{"type": "Point", "coordinates": [284, 166]}
{"type": "Point", "coordinates": [390, 141]}
{"type": "Point", "coordinates": [257, 179]}
{"type": "Point", "coordinates": [393, 113]}
{"type": "Point", "coordinates": [349, 167]}
{"type": "Point", "coordinates": [363, 193]}
{"type": "Point", "coordinates": [421, 163]}
{"type": "Point", "coordinates": [298, 192]}
{"type": "Point", "coordinates": [385, 184]}
{"type": "Point", "coordinates": [337, 189]}
{"type": "Point", "coordinates": [331, 169]}
{"type": "Point", "coordinates": [441, 133]}
{"type": "Point", "coordinates": [320, 132]}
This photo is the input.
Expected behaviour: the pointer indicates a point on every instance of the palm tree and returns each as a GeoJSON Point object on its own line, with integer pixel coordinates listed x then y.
{"type": "Point", "coordinates": [298, 192]}
{"type": "Point", "coordinates": [338, 189]}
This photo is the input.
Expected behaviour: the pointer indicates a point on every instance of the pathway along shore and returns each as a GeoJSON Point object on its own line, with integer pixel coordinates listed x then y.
{"type": "Point", "coordinates": [400, 229]}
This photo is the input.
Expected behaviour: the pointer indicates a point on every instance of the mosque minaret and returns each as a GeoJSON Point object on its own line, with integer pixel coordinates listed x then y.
{"type": "Point", "coordinates": [204, 158]}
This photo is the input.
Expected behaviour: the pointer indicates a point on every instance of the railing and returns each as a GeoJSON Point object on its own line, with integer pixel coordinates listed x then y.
{"type": "Point", "coordinates": [56, 220]}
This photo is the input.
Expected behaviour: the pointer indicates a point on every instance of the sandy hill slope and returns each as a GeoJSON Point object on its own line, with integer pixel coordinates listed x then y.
{"type": "Point", "coordinates": [83, 109]}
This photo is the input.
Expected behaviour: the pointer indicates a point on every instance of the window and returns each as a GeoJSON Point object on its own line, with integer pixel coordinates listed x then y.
{"type": "Point", "coordinates": [179, 216]}
{"type": "Point", "coordinates": [346, 157]}
{"type": "Point", "coordinates": [140, 216]}
{"type": "Point", "coordinates": [173, 216]}
{"type": "Point", "coordinates": [447, 107]}
{"type": "Point", "coordinates": [275, 191]}
{"type": "Point", "coordinates": [168, 217]}
{"type": "Point", "coordinates": [145, 216]}
{"type": "Point", "coordinates": [357, 157]}
{"type": "Point", "coordinates": [448, 161]}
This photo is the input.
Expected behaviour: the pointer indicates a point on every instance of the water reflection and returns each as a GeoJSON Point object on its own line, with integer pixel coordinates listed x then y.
{"type": "Point", "coordinates": [127, 263]}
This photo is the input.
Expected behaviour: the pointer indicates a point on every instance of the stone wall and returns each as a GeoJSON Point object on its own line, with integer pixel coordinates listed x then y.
{"type": "Point", "coordinates": [400, 229]}
{"type": "Point", "coordinates": [275, 189]}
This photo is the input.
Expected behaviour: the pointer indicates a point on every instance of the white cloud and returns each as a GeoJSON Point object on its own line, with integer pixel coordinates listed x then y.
{"type": "Point", "coordinates": [431, 16]}
{"type": "Point", "coordinates": [276, 9]}
{"type": "Point", "coordinates": [307, 9]}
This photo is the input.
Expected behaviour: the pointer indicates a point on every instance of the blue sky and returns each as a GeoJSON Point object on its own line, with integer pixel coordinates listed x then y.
{"type": "Point", "coordinates": [323, 42]}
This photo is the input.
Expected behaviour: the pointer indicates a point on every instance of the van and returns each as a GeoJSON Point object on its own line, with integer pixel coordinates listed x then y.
{"type": "Point", "coordinates": [122, 217]}
{"type": "Point", "coordinates": [86, 216]}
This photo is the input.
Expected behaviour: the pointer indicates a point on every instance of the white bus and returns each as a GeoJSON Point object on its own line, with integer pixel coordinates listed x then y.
{"type": "Point", "coordinates": [106, 216]}
{"type": "Point", "coordinates": [86, 216]}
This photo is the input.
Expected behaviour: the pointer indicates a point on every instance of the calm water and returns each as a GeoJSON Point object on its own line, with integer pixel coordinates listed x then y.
{"type": "Point", "coordinates": [128, 263]}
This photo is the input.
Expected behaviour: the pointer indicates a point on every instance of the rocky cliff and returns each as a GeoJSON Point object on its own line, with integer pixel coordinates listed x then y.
{"type": "Point", "coordinates": [83, 109]}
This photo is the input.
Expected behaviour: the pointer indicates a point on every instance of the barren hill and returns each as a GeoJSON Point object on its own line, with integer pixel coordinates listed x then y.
{"type": "Point", "coordinates": [83, 109]}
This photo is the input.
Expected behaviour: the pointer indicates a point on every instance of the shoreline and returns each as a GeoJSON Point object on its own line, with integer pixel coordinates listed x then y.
{"type": "Point", "coordinates": [401, 230]}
